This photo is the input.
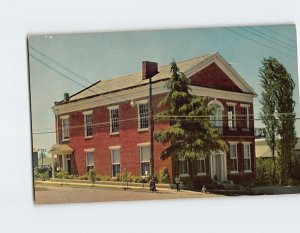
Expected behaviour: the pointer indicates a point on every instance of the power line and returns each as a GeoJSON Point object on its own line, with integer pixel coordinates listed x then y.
{"type": "Point", "coordinates": [257, 42]}
{"type": "Point", "coordinates": [72, 72]}
{"type": "Point", "coordinates": [260, 36]}
{"type": "Point", "coordinates": [60, 65]}
{"type": "Point", "coordinates": [273, 38]}
{"type": "Point", "coordinates": [267, 28]}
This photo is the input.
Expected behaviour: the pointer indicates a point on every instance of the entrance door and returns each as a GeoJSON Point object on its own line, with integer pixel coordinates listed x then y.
{"type": "Point", "coordinates": [69, 164]}
{"type": "Point", "coordinates": [218, 166]}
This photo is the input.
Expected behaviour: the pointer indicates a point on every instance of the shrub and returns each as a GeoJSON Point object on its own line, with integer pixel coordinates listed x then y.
{"type": "Point", "coordinates": [92, 175]}
{"type": "Point", "coordinates": [164, 176]}
{"type": "Point", "coordinates": [264, 172]}
{"type": "Point", "coordinates": [72, 177]}
{"type": "Point", "coordinates": [103, 178]}
{"type": "Point", "coordinates": [41, 174]}
{"type": "Point", "coordinates": [84, 177]}
{"type": "Point", "coordinates": [62, 174]}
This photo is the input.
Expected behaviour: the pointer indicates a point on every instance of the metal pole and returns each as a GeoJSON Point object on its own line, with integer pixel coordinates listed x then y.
{"type": "Point", "coordinates": [151, 129]}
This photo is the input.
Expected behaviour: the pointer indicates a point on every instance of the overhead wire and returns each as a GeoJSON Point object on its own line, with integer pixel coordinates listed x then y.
{"type": "Point", "coordinates": [257, 42]}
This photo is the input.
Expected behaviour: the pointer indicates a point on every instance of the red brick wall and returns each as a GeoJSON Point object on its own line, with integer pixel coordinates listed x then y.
{"type": "Point", "coordinates": [213, 77]}
{"type": "Point", "coordinates": [129, 136]}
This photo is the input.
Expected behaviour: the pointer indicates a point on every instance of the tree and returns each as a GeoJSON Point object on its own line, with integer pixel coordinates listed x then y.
{"type": "Point", "coordinates": [190, 135]}
{"type": "Point", "coordinates": [278, 113]}
{"type": "Point", "coordinates": [92, 176]}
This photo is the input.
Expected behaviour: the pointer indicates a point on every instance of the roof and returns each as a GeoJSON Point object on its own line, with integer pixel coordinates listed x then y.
{"type": "Point", "coordinates": [61, 149]}
{"type": "Point", "coordinates": [262, 150]}
{"type": "Point", "coordinates": [135, 79]}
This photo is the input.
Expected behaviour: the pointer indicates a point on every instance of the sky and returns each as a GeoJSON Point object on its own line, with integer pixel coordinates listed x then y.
{"type": "Point", "coordinates": [60, 63]}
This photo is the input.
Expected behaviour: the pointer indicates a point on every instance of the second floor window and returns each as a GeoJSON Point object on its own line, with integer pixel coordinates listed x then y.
{"type": "Point", "coordinates": [65, 128]}
{"type": "Point", "coordinates": [88, 125]}
{"type": "Point", "coordinates": [114, 120]}
{"type": "Point", "coordinates": [245, 117]}
{"type": "Point", "coordinates": [143, 116]}
{"type": "Point", "coordinates": [231, 117]}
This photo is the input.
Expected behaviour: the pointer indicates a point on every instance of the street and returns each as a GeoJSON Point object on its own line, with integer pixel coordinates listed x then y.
{"type": "Point", "coordinates": [64, 194]}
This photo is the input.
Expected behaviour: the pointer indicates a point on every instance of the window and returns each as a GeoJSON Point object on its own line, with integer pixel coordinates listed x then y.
{"type": "Point", "coordinates": [143, 115]}
{"type": "Point", "coordinates": [65, 128]}
{"type": "Point", "coordinates": [233, 158]}
{"type": "Point", "coordinates": [201, 169]}
{"type": "Point", "coordinates": [88, 124]}
{"type": "Point", "coordinates": [247, 157]}
{"type": "Point", "coordinates": [245, 117]}
{"type": "Point", "coordinates": [115, 159]}
{"type": "Point", "coordinates": [231, 117]}
{"type": "Point", "coordinates": [145, 159]}
{"type": "Point", "coordinates": [114, 119]}
{"type": "Point", "coordinates": [89, 160]}
{"type": "Point", "coordinates": [216, 118]}
{"type": "Point", "coordinates": [181, 167]}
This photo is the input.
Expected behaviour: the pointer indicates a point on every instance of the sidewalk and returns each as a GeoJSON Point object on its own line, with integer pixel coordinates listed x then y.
{"type": "Point", "coordinates": [138, 187]}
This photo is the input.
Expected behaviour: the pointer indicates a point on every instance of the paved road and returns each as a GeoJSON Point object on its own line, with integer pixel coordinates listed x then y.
{"type": "Point", "coordinates": [54, 194]}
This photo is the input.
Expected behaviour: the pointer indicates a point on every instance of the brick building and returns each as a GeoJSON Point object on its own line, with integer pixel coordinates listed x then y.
{"type": "Point", "coordinates": [106, 125]}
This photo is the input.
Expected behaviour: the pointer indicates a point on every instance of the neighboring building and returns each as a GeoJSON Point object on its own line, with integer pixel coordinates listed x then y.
{"type": "Point", "coordinates": [35, 158]}
{"type": "Point", "coordinates": [264, 151]}
{"type": "Point", "coordinates": [106, 133]}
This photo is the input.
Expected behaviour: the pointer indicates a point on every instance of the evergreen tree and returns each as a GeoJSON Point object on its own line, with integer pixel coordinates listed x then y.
{"type": "Point", "coordinates": [278, 112]}
{"type": "Point", "coordinates": [190, 134]}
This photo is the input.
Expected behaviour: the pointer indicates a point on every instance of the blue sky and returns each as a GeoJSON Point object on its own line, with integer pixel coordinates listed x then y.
{"type": "Point", "coordinates": [91, 57]}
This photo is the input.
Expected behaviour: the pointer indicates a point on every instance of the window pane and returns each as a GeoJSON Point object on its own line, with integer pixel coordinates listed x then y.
{"type": "Point", "coordinates": [143, 114]}
{"type": "Point", "coordinates": [65, 130]}
{"type": "Point", "coordinates": [90, 158]}
{"type": "Point", "coordinates": [114, 114]}
{"type": "Point", "coordinates": [115, 156]}
{"type": "Point", "coordinates": [231, 117]}
{"type": "Point", "coordinates": [245, 118]}
{"type": "Point", "coordinates": [201, 165]}
{"type": "Point", "coordinates": [145, 166]}
{"type": "Point", "coordinates": [145, 153]}
{"type": "Point", "coordinates": [116, 169]}
{"type": "Point", "coordinates": [88, 125]}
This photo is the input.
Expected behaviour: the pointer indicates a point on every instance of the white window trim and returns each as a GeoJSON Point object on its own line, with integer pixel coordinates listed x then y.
{"type": "Point", "coordinates": [138, 103]}
{"type": "Point", "coordinates": [237, 160]}
{"type": "Point", "coordinates": [233, 128]}
{"type": "Point", "coordinates": [202, 173]}
{"type": "Point", "coordinates": [249, 145]}
{"type": "Point", "coordinates": [86, 151]}
{"type": "Point", "coordinates": [87, 112]}
{"type": "Point", "coordinates": [143, 144]}
{"type": "Point", "coordinates": [140, 145]}
{"type": "Point", "coordinates": [84, 119]}
{"type": "Point", "coordinates": [65, 117]}
{"type": "Point", "coordinates": [112, 148]}
{"type": "Point", "coordinates": [110, 108]}
{"type": "Point", "coordinates": [248, 121]}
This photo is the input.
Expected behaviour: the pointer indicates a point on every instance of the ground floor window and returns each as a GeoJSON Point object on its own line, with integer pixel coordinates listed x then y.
{"type": "Point", "coordinates": [233, 158]}
{"type": "Point", "coordinates": [247, 157]}
{"type": "Point", "coordinates": [181, 167]}
{"type": "Point", "coordinates": [201, 167]}
{"type": "Point", "coordinates": [115, 158]}
{"type": "Point", "coordinates": [145, 159]}
{"type": "Point", "coordinates": [89, 160]}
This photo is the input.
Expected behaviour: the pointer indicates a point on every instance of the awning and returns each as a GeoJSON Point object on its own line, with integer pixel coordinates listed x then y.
{"type": "Point", "coordinates": [61, 149]}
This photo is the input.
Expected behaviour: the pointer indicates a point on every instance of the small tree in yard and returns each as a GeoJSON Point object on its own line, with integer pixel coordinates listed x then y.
{"type": "Point", "coordinates": [278, 113]}
{"type": "Point", "coordinates": [190, 134]}
{"type": "Point", "coordinates": [92, 176]}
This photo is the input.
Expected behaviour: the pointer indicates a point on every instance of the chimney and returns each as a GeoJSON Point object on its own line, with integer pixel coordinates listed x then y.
{"type": "Point", "coordinates": [149, 69]}
{"type": "Point", "coordinates": [66, 97]}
